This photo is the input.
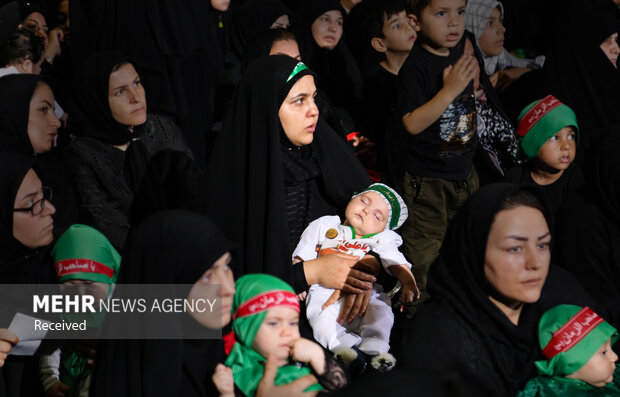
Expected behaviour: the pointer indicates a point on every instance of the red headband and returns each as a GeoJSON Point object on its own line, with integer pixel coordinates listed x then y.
{"type": "Point", "coordinates": [70, 266]}
{"type": "Point", "coordinates": [536, 113]}
{"type": "Point", "coordinates": [265, 301]}
{"type": "Point", "coordinates": [572, 332]}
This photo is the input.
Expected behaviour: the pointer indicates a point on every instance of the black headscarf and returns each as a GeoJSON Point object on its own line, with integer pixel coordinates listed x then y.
{"type": "Point", "coordinates": [18, 263]}
{"type": "Point", "coordinates": [603, 178]}
{"type": "Point", "coordinates": [93, 118]}
{"type": "Point", "coordinates": [246, 175]}
{"type": "Point", "coordinates": [251, 19]}
{"type": "Point", "coordinates": [578, 72]}
{"type": "Point", "coordinates": [16, 92]}
{"type": "Point", "coordinates": [170, 247]}
{"type": "Point", "coordinates": [338, 72]}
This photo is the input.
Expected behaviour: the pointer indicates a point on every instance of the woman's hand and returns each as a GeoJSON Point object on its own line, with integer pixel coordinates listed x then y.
{"type": "Point", "coordinates": [352, 305]}
{"type": "Point", "coordinates": [335, 271]}
{"type": "Point", "coordinates": [267, 388]}
{"type": "Point", "coordinates": [223, 380]}
{"type": "Point", "coordinates": [7, 340]}
{"type": "Point", "coordinates": [306, 351]}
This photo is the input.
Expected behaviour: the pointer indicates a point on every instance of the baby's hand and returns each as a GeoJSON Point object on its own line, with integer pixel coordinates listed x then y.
{"type": "Point", "coordinates": [306, 351]}
{"type": "Point", "coordinates": [302, 296]}
{"type": "Point", "coordinates": [409, 292]}
{"type": "Point", "coordinates": [223, 380]}
{"type": "Point", "coordinates": [457, 77]}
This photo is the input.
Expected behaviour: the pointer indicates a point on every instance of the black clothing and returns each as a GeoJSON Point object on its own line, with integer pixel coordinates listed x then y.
{"type": "Point", "coordinates": [556, 192]}
{"type": "Point", "coordinates": [16, 91]}
{"type": "Point", "coordinates": [578, 72]}
{"type": "Point", "coordinates": [339, 76]}
{"type": "Point", "coordinates": [379, 103]}
{"type": "Point", "coordinates": [171, 247]}
{"type": "Point", "coordinates": [446, 148]}
{"type": "Point", "coordinates": [252, 171]}
{"type": "Point", "coordinates": [175, 48]}
{"type": "Point", "coordinates": [588, 246]}
{"type": "Point", "coordinates": [18, 265]}
{"type": "Point", "coordinates": [98, 170]}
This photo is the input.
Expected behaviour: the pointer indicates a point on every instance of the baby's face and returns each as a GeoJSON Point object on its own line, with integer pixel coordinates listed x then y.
{"type": "Point", "coordinates": [599, 371]}
{"type": "Point", "coordinates": [86, 287]}
{"type": "Point", "coordinates": [367, 213]}
{"type": "Point", "coordinates": [277, 334]}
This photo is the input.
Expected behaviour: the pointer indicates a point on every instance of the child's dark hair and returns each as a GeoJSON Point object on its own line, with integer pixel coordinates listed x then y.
{"type": "Point", "coordinates": [21, 44]}
{"type": "Point", "coordinates": [418, 5]}
{"type": "Point", "coordinates": [282, 34]}
{"type": "Point", "coordinates": [377, 12]}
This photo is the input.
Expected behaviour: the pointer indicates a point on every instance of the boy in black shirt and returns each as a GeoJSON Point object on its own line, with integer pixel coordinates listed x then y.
{"type": "Point", "coordinates": [438, 111]}
{"type": "Point", "coordinates": [391, 35]}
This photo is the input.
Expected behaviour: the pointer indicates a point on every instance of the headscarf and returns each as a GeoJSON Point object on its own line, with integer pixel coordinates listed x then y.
{"type": "Point", "coordinates": [477, 13]}
{"type": "Point", "coordinates": [93, 118]}
{"type": "Point", "coordinates": [16, 92]}
{"type": "Point", "coordinates": [169, 247]}
{"type": "Point", "coordinates": [255, 295]}
{"type": "Point", "coordinates": [338, 72]}
{"type": "Point", "coordinates": [577, 71]}
{"type": "Point", "coordinates": [246, 171]}
{"type": "Point", "coordinates": [457, 279]}
{"type": "Point", "coordinates": [253, 18]}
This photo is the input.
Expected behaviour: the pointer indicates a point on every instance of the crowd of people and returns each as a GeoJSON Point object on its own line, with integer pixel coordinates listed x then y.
{"type": "Point", "coordinates": [414, 196]}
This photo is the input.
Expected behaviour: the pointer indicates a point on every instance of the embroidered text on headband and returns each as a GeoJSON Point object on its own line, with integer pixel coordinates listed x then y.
{"type": "Point", "coordinates": [70, 266]}
{"type": "Point", "coordinates": [572, 332]}
{"type": "Point", "coordinates": [298, 68]}
{"type": "Point", "coordinates": [267, 300]}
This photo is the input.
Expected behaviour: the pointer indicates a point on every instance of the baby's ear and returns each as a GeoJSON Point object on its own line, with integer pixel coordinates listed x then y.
{"type": "Point", "coordinates": [378, 45]}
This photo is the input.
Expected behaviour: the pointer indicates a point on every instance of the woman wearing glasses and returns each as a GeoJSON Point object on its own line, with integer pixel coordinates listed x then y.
{"type": "Point", "coordinates": [28, 126]}
{"type": "Point", "coordinates": [26, 229]}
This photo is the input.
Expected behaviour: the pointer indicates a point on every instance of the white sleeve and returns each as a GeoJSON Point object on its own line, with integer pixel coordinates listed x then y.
{"type": "Point", "coordinates": [388, 250]}
{"type": "Point", "coordinates": [306, 248]}
{"type": "Point", "coordinates": [49, 369]}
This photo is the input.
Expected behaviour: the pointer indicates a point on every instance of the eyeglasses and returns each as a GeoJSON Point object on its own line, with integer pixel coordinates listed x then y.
{"type": "Point", "coordinates": [38, 206]}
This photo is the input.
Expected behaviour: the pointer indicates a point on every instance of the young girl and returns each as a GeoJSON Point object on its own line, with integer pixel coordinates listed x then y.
{"type": "Point", "coordinates": [265, 314]}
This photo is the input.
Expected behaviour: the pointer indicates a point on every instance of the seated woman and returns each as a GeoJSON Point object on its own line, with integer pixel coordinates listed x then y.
{"type": "Point", "coordinates": [115, 140]}
{"type": "Point", "coordinates": [490, 285]}
{"type": "Point", "coordinates": [170, 247]}
{"type": "Point", "coordinates": [26, 228]}
{"type": "Point", "coordinates": [29, 126]}
{"type": "Point", "coordinates": [275, 168]}
{"type": "Point", "coordinates": [320, 33]}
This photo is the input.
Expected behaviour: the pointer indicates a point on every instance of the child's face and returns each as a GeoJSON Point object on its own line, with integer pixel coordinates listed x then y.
{"type": "Point", "coordinates": [442, 24]}
{"type": "Point", "coordinates": [276, 335]}
{"type": "Point", "coordinates": [611, 49]}
{"type": "Point", "coordinates": [398, 33]}
{"type": "Point", "coordinates": [599, 370]}
{"type": "Point", "coordinates": [492, 39]}
{"type": "Point", "coordinates": [327, 29]}
{"type": "Point", "coordinates": [559, 151]}
{"type": "Point", "coordinates": [367, 213]}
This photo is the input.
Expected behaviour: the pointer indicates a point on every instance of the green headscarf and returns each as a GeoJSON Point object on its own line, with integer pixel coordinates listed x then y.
{"type": "Point", "coordinates": [542, 119]}
{"type": "Point", "coordinates": [255, 294]}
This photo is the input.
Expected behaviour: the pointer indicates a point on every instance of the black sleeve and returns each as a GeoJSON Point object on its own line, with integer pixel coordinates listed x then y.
{"type": "Point", "coordinates": [411, 88]}
{"type": "Point", "coordinates": [299, 278]}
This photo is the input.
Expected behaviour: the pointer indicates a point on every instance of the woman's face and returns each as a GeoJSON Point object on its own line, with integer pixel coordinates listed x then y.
{"type": "Point", "coordinates": [42, 122]}
{"type": "Point", "coordinates": [127, 97]}
{"type": "Point", "coordinates": [611, 49]}
{"type": "Point", "coordinates": [220, 5]}
{"type": "Point", "coordinates": [298, 113]}
{"type": "Point", "coordinates": [283, 22]}
{"type": "Point", "coordinates": [491, 40]}
{"type": "Point", "coordinates": [33, 231]}
{"type": "Point", "coordinates": [517, 256]}
{"type": "Point", "coordinates": [327, 29]}
{"type": "Point", "coordinates": [220, 273]}
{"type": "Point", "coordinates": [285, 47]}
